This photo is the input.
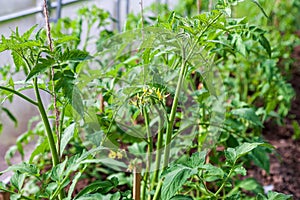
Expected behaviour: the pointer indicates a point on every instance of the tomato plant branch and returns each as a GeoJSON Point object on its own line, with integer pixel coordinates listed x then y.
{"type": "Point", "coordinates": [225, 180]}
{"type": "Point", "coordinates": [149, 151]}
{"type": "Point", "coordinates": [55, 157]}
{"type": "Point", "coordinates": [158, 149]}
{"type": "Point", "coordinates": [19, 94]}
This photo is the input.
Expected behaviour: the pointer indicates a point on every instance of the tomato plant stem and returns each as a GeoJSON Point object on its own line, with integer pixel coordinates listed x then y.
{"type": "Point", "coordinates": [55, 158]}
{"type": "Point", "coordinates": [19, 94]}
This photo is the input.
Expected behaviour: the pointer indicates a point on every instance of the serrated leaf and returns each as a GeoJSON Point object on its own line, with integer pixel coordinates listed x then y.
{"type": "Point", "coordinates": [18, 61]}
{"type": "Point", "coordinates": [245, 148]}
{"type": "Point", "coordinates": [278, 196]}
{"type": "Point", "coordinates": [65, 38]}
{"type": "Point", "coordinates": [66, 137]}
{"type": "Point", "coordinates": [175, 179]}
{"type": "Point", "coordinates": [74, 55]}
{"type": "Point", "coordinates": [40, 67]}
{"type": "Point", "coordinates": [248, 114]}
{"type": "Point", "coordinates": [197, 159]}
{"type": "Point", "coordinates": [230, 155]}
{"type": "Point", "coordinates": [25, 168]}
{"type": "Point", "coordinates": [212, 173]}
{"type": "Point", "coordinates": [57, 172]}
{"type": "Point", "coordinates": [17, 180]}
{"type": "Point", "coordinates": [28, 33]}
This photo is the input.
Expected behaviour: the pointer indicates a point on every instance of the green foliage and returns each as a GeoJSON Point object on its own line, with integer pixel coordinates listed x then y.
{"type": "Point", "coordinates": [110, 102]}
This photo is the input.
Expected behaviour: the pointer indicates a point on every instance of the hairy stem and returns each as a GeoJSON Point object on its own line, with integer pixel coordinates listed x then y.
{"type": "Point", "coordinates": [56, 111]}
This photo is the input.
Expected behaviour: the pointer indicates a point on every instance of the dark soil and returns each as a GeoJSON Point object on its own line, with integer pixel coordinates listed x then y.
{"type": "Point", "coordinates": [284, 171]}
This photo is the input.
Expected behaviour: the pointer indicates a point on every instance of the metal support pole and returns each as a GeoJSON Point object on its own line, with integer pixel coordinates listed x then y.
{"type": "Point", "coordinates": [58, 10]}
{"type": "Point", "coordinates": [35, 10]}
{"type": "Point", "coordinates": [127, 7]}
{"type": "Point", "coordinates": [118, 14]}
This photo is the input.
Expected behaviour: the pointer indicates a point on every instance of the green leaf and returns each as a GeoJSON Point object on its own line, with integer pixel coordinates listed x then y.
{"type": "Point", "coordinates": [249, 184]}
{"type": "Point", "coordinates": [248, 114]}
{"type": "Point", "coordinates": [212, 173]}
{"type": "Point", "coordinates": [265, 43]}
{"type": "Point", "coordinates": [245, 148]}
{"type": "Point", "coordinates": [25, 168]}
{"type": "Point", "coordinates": [15, 196]}
{"type": "Point", "coordinates": [181, 197]}
{"type": "Point", "coordinates": [65, 39]}
{"type": "Point", "coordinates": [39, 150]}
{"type": "Point", "coordinates": [261, 8]}
{"type": "Point", "coordinates": [58, 171]}
{"type": "Point", "coordinates": [100, 186]}
{"type": "Point", "coordinates": [18, 61]}
{"type": "Point", "coordinates": [17, 180]}
{"type": "Point", "coordinates": [40, 67]}
{"type": "Point", "coordinates": [2, 186]}
{"type": "Point", "coordinates": [66, 137]}
{"type": "Point", "coordinates": [11, 116]}
{"type": "Point", "coordinates": [230, 155]}
{"type": "Point", "coordinates": [197, 159]}
{"type": "Point", "coordinates": [74, 55]}
{"type": "Point", "coordinates": [239, 43]}
{"type": "Point", "coordinates": [261, 158]}
{"type": "Point", "coordinates": [174, 180]}
{"type": "Point", "coordinates": [73, 185]}
{"type": "Point", "coordinates": [278, 196]}
{"type": "Point", "coordinates": [51, 187]}
{"type": "Point", "coordinates": [10, 154]}
{"type": "Point", "coordinates": [28, 33]}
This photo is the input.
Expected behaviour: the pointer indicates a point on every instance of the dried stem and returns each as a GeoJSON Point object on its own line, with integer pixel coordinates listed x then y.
{"type": "Point", "coordinates": [57, 118]}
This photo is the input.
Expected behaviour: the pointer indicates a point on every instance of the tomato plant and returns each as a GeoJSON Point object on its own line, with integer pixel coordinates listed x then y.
{"type": "Point", "coordinates": [178, 102]}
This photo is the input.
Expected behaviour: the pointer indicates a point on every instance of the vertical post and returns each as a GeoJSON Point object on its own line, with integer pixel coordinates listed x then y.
{"type": "Point", "coordinates": [136, 183]}
{"type": "Point", "coordinates": [127, 7]}
{"type": "Point", "coordinates": [58, 10]}
{"type": "Point", "coordinates": [118, 14]}
{"type": "Point", "coordinates": [199, 6]}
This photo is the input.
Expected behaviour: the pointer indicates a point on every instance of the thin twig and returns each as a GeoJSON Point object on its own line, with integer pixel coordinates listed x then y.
{"type": "Point", "coordinates": [57, 118]}
{"type": "Point", "coordinates": [142, 17]}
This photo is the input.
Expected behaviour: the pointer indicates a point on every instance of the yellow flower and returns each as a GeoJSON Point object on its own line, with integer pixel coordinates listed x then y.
{"type": "Point", "coordinates": [112, 154]}
{"type": "Point", "coordinates": [159, 95]}
{"type": "Point", "coordinates": [119, 155]}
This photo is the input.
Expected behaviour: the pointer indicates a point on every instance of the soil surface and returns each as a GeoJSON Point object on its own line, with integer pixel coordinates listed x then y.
{"type": "Point", "coordinates": [284, 171]}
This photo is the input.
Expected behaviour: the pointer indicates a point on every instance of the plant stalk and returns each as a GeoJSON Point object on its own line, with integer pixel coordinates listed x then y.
{"type": "Point", "coordinates": [19, 94]}
{"type": "Point", "coordinates": [158, 151]}
{"type": "Point", "coordinates": [54, 153]}
{"type": "Point", "coordinates": [149, 152]}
